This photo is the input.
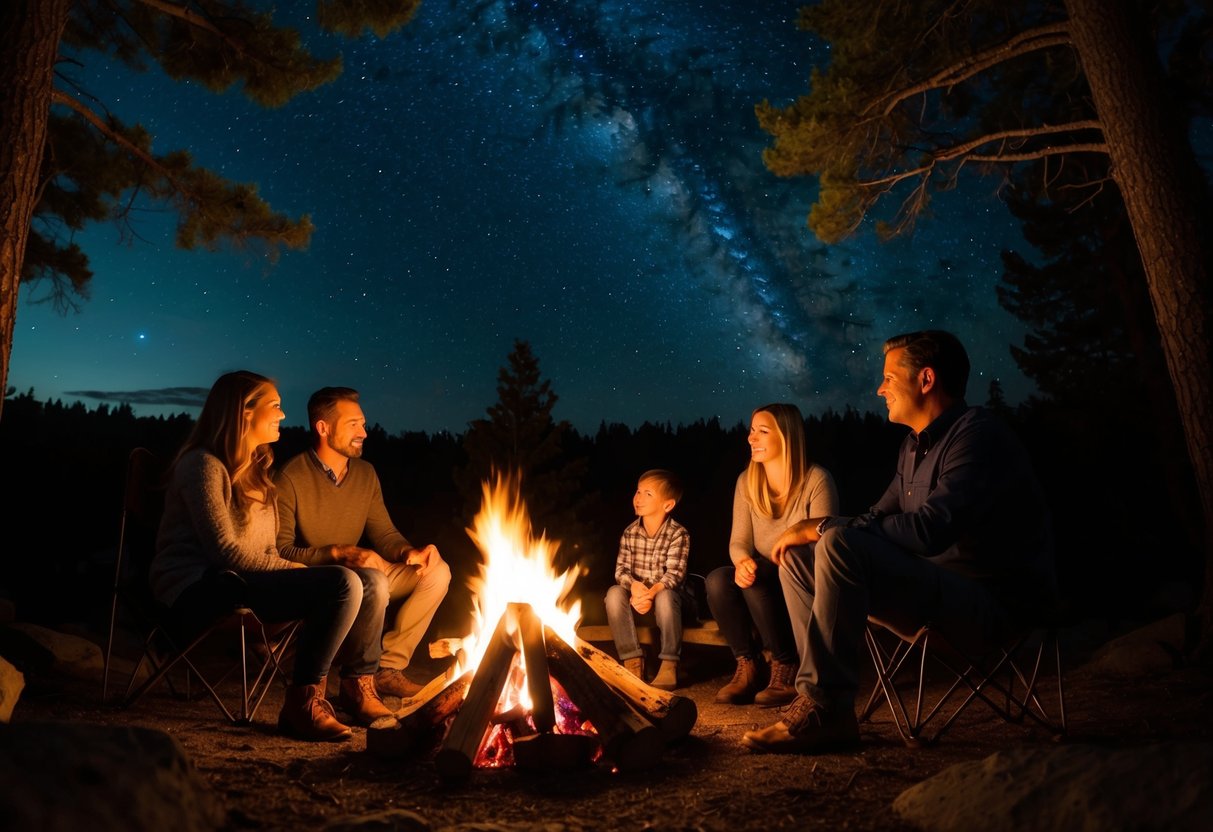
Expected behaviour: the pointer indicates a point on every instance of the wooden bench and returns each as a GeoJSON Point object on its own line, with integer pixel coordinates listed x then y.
{"type": "Point", "coordinates": [705, 632]}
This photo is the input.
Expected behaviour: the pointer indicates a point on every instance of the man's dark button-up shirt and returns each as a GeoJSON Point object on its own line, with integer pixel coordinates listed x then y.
{"type": "Point", "coordinates": [965, 497]}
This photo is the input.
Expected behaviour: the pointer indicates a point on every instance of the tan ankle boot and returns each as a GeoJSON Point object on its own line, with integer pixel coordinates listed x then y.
{"type": "Point", "coordinates": [635, 667]}
{"type": "Point", "coordinates": [667, 676]}
{"type": "Point", "coordinates": [781, 689]}
{"type": "Point", "coordinates": [744, 684]}
{"type": "Point", "coordinates": [359, 699]}
{"type": "Point", "coordinates": [307, 715]}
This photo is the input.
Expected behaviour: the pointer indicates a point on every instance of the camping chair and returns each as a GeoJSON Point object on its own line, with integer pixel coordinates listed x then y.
{"type": "Point", "coordinates": [170, 643]}
{"type": "Point", "coordinates": [1009, 679]}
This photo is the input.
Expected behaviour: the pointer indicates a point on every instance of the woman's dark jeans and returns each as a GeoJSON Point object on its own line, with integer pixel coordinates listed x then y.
{"type": "Point", "coordinates": [760, 607]}
{"type": "Point", "coordinates": [326, 598]}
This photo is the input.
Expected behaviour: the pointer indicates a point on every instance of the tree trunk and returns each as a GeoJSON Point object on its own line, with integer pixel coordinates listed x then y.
{"type": "Point", "coordinates": [1163, 190]}
{"type": "Point", "coordinates": [30, 31]}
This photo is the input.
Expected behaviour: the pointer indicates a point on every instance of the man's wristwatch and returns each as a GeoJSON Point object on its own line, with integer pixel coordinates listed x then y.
{"type": "Point", "coordinates": [821, 527]}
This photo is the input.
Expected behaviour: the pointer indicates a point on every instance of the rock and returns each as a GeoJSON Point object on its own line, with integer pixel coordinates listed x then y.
{"type": "Point", "coordinates": [71, 776]}
{"type": "Point", "coordinates": [1155, 648]}
{"type": "Point", "coordinates": [12, 682]}
{"type": "Point", "coordinates": [25, 652]}
{"type": "Point", "coordinates": [73, 655]}
{"type": "Point", "coordinates": [1163, 786]}
{"type": "Point", "coordinates": [390, 820]}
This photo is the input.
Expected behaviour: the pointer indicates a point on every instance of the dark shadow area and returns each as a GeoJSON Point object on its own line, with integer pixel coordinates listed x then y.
{"type": "Point", "coordinates": [63, 517]}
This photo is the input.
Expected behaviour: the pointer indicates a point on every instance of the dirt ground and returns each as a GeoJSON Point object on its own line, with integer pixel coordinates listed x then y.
{"type": "Point", "coordinates": [708, 781]}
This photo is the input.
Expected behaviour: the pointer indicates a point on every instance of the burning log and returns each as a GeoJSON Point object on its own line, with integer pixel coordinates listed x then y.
{"type": "Point", "coordinates": [674, 715]}
{"type": "Point", "coordinates": [420, 728]}
{"type": "Point", "coordinates": [534, 654]}
{"type": "Point", "coordinates": [458, 753]}
{"type": "Point", "coordinates": [628, 739]}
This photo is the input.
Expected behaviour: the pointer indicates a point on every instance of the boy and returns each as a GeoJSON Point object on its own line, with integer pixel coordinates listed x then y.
{"type": "Point", "coordinates": [649, 575]}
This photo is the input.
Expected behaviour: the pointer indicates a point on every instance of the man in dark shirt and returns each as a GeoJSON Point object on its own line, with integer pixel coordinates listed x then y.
{"type": "Point", "coordinates": [960, 540]}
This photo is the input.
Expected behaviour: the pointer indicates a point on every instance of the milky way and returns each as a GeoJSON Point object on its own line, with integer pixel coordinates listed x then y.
{"type": "Point", "coordinates": [583, 175]}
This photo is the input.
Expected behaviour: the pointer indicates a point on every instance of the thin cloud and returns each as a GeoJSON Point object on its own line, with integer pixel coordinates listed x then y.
{"type": "Point", "coordinates": [164, 396]}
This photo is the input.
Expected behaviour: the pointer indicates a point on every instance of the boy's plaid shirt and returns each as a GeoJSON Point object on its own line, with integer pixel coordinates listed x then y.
{"type": "Point", "coordinates": [662, 557]}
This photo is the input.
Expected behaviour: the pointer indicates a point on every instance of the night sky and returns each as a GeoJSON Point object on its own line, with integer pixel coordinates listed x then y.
{"type": "Point", "coordinates": [585, 176]}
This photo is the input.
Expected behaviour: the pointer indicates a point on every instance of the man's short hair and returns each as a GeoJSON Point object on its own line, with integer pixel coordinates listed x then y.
{"type": "Point", "coordinates": [671, 485]}
{"type": "Point", "coordinates": [939, 350]}
{"type": "Point", "coordinates": [323, 403]}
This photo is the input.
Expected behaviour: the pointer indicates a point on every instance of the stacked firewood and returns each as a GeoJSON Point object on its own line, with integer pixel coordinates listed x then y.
{"type": "Point", "coordinates": [624, 723]}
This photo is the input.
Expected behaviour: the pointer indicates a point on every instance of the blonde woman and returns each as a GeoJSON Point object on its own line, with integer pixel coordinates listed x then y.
{"type": "Point", "coordinates": [778, 489]}
{"type": "Point", "coordinates": [216, 546]}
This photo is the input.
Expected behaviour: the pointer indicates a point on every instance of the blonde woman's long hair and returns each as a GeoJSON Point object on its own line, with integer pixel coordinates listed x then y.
{"type": "Point", "coordinates": [790, 424]}
{"type": "Point", "coordinates": [221, 429]}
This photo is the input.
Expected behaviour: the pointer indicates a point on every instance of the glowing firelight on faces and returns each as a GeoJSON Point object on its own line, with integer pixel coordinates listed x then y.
{"type": "Point", "coordinates": [516, 568]}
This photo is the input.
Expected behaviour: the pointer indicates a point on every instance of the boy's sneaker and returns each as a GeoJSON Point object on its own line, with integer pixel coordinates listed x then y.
{"type": "Point", "coordinates": [635, 666]}
{"type": "Point", "coordinates": [667, 676]}
{"type": "Point", "coordinates": [806, 728]}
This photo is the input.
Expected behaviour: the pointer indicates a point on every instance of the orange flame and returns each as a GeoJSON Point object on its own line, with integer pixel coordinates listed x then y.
{"type": "Point", "coordinates": [516, 567]}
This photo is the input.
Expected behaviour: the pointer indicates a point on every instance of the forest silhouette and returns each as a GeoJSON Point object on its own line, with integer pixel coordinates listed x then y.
{"type": "Point", "coordinates": [1126, 544]}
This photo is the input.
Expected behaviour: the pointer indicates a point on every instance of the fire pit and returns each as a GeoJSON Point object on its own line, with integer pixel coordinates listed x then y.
{"type": "Point", "coordinates": [531, 694]}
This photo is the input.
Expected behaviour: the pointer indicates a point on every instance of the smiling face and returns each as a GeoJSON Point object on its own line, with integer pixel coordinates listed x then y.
{"type": "Point", "coordinates": [902, 390]}
{"type": "Point", "coordinates": [263, 420]}
{"type": "Point", "coordinates": [766, 442]}
{"type": "Point", "coordinates": [650, 500]}
{"type": "Point", "coordinates": [346, 429]}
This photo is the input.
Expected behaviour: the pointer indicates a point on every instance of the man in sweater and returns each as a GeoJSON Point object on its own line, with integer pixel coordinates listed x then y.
{"type": "Point", "coordinates": [330, 504]}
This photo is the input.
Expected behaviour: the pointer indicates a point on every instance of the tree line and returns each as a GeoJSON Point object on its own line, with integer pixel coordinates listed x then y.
{"type": "Point", "coordinates": [69, 461]}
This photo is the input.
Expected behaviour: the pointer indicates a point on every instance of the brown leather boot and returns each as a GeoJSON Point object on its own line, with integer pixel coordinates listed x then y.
{"type": "Point", "coordinates": [635, 667]}
{"type": "Point", "coordinates": [781, 689]}
{"type": "Point", "coordinates": [741, 690]}
{"type": "Point", "coordinates": [361, 701]}
{"type": "Point", "coordinates": [307, 715]}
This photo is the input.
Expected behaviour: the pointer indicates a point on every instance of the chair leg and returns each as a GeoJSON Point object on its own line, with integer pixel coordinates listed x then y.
{"type": "Point", "coordinates": [1016, 697]}
{"type": "Point", "coordinates": [888, 666]}
{"type": "Point", "coordinates": [271, 668]}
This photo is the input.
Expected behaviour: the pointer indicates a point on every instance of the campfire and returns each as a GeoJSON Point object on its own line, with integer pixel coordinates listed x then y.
{"type": "Point", "coordinates": [525, 691]}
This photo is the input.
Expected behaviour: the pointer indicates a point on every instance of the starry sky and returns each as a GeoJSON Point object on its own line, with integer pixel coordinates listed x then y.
{"type": "Point", "coordinates": [585, 176]}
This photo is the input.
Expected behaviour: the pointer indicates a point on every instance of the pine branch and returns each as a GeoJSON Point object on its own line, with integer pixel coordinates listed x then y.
{"type": "Point", "coordinates": [1041, 37]}
{"type": "Point", "coordinates": [1052, 150]}
{"type": "Point", "coordinates": [963, 148]}
{"type": "Point", "coordinates": [59, 97]}
{"type": "Point", "coordinates": [963, 151]}
{"type": "Point", "coordinates": [189, 16]}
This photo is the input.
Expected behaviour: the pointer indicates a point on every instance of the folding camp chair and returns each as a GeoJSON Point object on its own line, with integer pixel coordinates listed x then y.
{"type": "Point", "coordinates": [169, 643]}
{"type": "Point", "coordinates": [1010, 679]}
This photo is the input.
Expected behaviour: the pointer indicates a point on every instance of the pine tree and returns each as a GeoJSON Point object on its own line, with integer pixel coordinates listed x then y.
{"type": "Point", "coordinates": [996, 399]}
{"type": "Point", "coordinates": [521, 437]}
{"type": "Point", "coordinates": [64, 162]}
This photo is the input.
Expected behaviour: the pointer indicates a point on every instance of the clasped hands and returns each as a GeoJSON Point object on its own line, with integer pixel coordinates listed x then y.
{"type": "Point", "coordinates": [356, 557]}
{"type": "Point", "coordinates": [800, 534]}
{"type": "Point", "coordinates": [642, 596]}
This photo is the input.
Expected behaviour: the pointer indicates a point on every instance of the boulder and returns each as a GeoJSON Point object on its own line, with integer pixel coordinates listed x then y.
{"type": "Point", "coordinates": [1155, 648]}
{"type": "Point", "coordinates": [1069, 788]}
{"type": "Point", "coordinates": [70, 776]}
{"type": "Point", "coordinates": [12, 682]}
{"type": "Point", "coordinates": [73, 655]}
